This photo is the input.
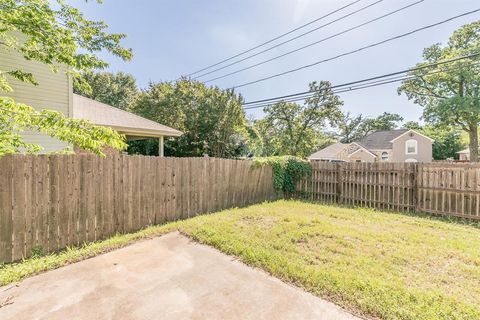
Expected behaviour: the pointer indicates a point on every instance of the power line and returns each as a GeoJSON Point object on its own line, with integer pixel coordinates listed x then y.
{"type": "Point", "coordinates": [357, 87]}
{"type": "Point", "coordinates": [274, 39]}
{"type": "Point", "coordinates": [357, 50]}
{"type": "Point", "coordinates": [306, 46]}
{"type": "Point", "coordinates": [372, 78]}
{"type": "Point", "coordinates": [354, 88]}
{"type": "Point", "coordinates": [290, 40]}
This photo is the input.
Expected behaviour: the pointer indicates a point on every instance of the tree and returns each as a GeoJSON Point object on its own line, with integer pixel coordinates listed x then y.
{"type": "Point", "coordinates": [448, 141]}
{"type": "Point", "coordinates": [451, 95]}
{"type": "Point", "coordinates": [297, 130]}
{"type": "Point", "coordinates": [53, 34]}
{"type": "Point", "coordinates": [119, 90]}
{"type": "Point", "coordinates": [212, 120]}
{"type": "Point", "coordinates": [350, 128]}
{"type": "Point", "coordinates": [355, 128]}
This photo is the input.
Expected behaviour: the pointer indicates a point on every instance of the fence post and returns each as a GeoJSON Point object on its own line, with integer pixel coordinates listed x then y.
{"type": "Point", "coordinates": [340, 172]}
{"type": "Point", "coordinates": [415, 187]}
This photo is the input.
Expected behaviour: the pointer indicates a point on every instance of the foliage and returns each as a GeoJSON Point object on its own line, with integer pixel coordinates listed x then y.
{"type": "Point", "coordinates": [451, 96]}
{"type": "Point", "coordinates": [448, 141]}
{"type": "Point", "coordinates": [287, 171]}
{"type": "Point", "coordinates": [212, 120]}
{"type": "Point", "coordinates": [354, 128]}
{"type": "Point", "coordinates": [119, 90]}
{"type": "Point", "coordinates": [56, 35]}
{"type": "Point", "coordinates": [16, 118]}
{"type": "Point", "coordinates": [293, 129]}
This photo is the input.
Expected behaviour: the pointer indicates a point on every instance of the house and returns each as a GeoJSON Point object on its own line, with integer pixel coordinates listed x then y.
{"type": "Point", "coordinates": [55, 92]}
{"type": "Point", "coordinates": [464, 155]}
{"type": "Point", "coordinates": [401, 145]}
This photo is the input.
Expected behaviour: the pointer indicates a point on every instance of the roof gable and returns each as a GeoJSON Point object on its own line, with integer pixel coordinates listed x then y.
{"type": "Point", "coordinates": [328, 152]}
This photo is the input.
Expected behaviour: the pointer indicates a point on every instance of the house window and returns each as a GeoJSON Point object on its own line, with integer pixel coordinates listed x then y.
{"type": "Point", "coordinates": [411, 146]}
{"type": "Point", "coordinates": [384, 156]}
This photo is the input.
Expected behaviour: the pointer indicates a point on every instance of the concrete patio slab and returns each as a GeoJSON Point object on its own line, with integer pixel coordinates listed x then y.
{"type": "Point", "coordinates": [169, 277]}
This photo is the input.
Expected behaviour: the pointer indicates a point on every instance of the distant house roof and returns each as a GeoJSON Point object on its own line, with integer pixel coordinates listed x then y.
{"type": "Point", "coordinates": [466, 151]}
{"type": "Point", "coordinates": [120, 120]}
{"type": "Point", "coordinates": [381, 140]}
{"type": "Point", "coordinates": [329, 152]}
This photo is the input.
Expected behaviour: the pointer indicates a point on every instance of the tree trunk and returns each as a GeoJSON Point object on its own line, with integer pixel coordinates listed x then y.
{"type": "Point", "coordinates": [473, 135]}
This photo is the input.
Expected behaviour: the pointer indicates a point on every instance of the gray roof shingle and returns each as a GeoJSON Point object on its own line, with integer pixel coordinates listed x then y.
{"type": "Point", "coordinates": [380, 140]}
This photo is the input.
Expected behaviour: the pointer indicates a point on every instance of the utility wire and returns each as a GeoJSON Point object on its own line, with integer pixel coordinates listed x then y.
{"type": "Point", "coordinates": [290, 40]}
{"type": "Point", "coordinates": [273, 39]}
{"type": "Point", "coordinates": [358, 50]}
{"type": "Point", "coordinates": [356, 87]}
{"type": "Point", "coordinates": [372, 78]}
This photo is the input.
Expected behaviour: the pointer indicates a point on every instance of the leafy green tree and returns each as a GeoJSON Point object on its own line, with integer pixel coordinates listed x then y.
{"type": "Point", "coordinates": [350, 127]}
{"type": "Point", "coordinates": [297, 130]}
{"type": "Point", "coordinates": [448, 141]}
{"type": "Point", "coordinates": [384, 122]}
{"type": "Point", "coordinates": [354, 128]}
{"type": "Point", "coordinates": [450, 97]}
{"type": "Point", "coordinates": [116, 89]}
{"type": "Point", "coordinates": [212, 120]}
{"type": "Point", "coordinates": [54, 34]}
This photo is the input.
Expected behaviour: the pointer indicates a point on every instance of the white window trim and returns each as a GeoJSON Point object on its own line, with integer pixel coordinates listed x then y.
{"type": "Point", "coordinates": [387, 156]}
{"type": "Point", "coordinates": [416, 146]}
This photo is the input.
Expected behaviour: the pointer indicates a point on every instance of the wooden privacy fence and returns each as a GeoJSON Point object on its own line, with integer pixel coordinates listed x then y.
{"type": "Point", "coordinates": [446, 189]}
{"type": "Point", "coordinates": [54, 201]}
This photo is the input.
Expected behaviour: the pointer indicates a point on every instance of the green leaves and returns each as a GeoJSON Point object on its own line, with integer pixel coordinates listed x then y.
{"type": "Point", "coordinates": [451, 95]}
{"type": "Point", "coordinates": [212, 120]}
{"type": "Point", "coordinates": [287, 171]}
{"type": "Point", "coordinates": [119, 90]}
{"type": "Point", "coordinates": [16, 118]}
{"type": "Point", "coordinates": [56, 35]}
{"type": "Point", "coordinates": [293, 129]}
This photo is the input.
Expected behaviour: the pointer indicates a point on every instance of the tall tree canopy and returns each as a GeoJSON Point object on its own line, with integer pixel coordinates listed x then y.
{"type": "Point", "coordinates": [451, 98]}
{"type": "Point", "coordinates": [354, 128]}
{"type": "Point", "coordinates": [54, 34]}
{"type": "Point", "coordinates": [212, 120]}
{"type": "Point", "coordinates": [116, 89]}
{"type": "Point", "coordinates": [294, 129]}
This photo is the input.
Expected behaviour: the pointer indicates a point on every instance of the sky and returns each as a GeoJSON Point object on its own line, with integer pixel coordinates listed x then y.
{"type": "Point", "coordinates": [174, 38]}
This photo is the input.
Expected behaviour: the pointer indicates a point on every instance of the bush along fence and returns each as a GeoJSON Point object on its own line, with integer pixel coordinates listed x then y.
{"type": "Point", "coordinates": [49, 202]}
{"type": "Point", "coordinates": [443, 189]}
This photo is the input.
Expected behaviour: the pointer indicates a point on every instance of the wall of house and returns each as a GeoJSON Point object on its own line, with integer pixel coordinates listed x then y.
{"type": "Point", "coordinates": [424, 148]}
{"type": "Point", "coordinates": [362, 156]}
{"type": "Point", "coordinates": [378, 153]}
{"type": "Point", "coordinates": [54, 92]}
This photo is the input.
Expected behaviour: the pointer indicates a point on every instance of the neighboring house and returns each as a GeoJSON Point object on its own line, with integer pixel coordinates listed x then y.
{"type": "Point", "coordinates": [55, 92]}
{"type": "Point", "coordinates": [382, 146]}
{"type": "Point", "coordinates": [464, 155]}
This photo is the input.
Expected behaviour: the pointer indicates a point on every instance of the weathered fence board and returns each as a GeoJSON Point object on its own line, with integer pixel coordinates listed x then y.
{"type": "Point", "coordinates": [48, 202]}
{"type": "Point", "coordinates": [446, 189]}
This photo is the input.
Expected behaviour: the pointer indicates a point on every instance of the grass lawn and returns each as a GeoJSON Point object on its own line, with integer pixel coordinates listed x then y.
{"type": "Point", "coordinates": [385, 265]}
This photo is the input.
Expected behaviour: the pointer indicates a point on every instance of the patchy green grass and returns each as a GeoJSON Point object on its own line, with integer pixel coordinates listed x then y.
{"type": "Point", "coordinates": [383, 265]}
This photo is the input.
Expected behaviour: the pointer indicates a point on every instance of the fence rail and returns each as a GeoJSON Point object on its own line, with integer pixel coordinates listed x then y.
{"type": "Point", "coordinates": [54, 201]}
{"type": "Point", "coordinates": [445, 189]}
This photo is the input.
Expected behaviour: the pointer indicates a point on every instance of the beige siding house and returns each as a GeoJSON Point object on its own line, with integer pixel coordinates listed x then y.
{"type": "Point", "coordinates": [383, 146]}
{"type": "Point", "coordinates": [55, 92]}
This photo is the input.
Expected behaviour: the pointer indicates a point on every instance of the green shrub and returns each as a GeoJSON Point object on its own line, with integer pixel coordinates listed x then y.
{"type": "Point", "coordinates": [287, 171]}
